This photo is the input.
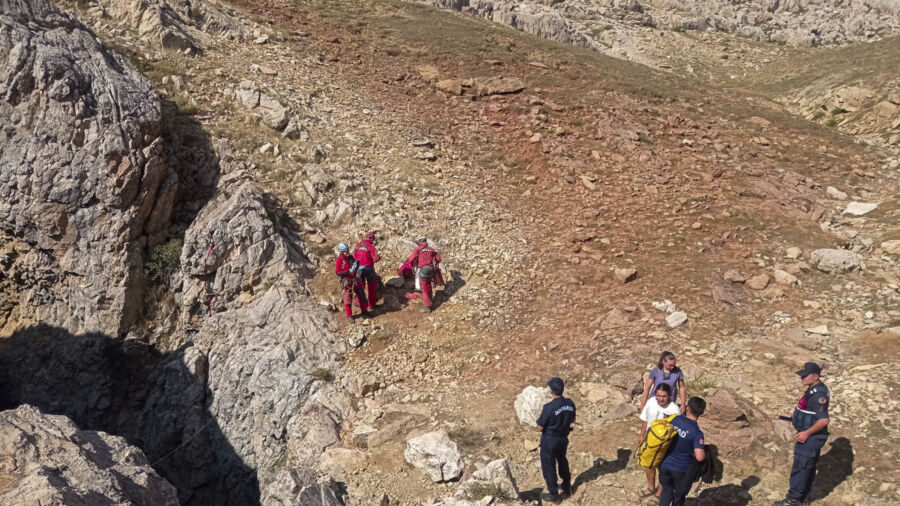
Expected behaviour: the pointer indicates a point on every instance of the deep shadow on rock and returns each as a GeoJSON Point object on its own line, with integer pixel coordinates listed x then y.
{"type": "Point", "coordinates": [157, 401]}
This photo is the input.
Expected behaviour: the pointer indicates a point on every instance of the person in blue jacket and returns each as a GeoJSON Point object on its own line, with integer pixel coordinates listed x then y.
{"type": "Point", "coordinates": [810, 418]}
{"type": "Point", "coordinates": [688, 445]}
{"type": "Point", "coordinates": [555, 423]}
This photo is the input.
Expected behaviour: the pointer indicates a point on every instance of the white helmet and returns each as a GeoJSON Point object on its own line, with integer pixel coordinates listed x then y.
{"type": "Point", "coordinates": [343, 247]}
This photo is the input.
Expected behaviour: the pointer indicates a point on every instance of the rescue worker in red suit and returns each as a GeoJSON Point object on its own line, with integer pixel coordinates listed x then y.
{"type": "Point", "coordinates": [350, 284]}
{"type": "Point", "coordinates": [367, 256]}
{"type": "Point", "coordinates": [426, 260]}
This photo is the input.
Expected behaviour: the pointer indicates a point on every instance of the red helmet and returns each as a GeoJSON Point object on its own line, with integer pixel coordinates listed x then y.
{"type": "Point", "coordinates": [370, 236]}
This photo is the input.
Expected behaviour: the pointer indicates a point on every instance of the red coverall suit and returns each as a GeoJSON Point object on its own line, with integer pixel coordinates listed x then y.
{"type": "Point", "coordinates": [367, 256]}
{"type": "Point", "coordinates": [349, 284]}
{"type": "Point", "coordinates": [424, 255]}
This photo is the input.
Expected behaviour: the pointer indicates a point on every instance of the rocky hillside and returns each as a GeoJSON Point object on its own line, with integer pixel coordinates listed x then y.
{"type": "Point", "coordinates": [620, 25]}
{"type": "Point", "coordinates": [775, 48]}
{"type": "Point", "coordinates": [590, 211]}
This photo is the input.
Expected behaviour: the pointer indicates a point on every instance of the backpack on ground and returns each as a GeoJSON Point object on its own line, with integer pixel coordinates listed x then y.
{"type": "Point", "coordinates": [660, 434]}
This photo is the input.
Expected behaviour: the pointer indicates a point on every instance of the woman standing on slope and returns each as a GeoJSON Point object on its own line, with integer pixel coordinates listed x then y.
{"type": "Point", "coordinates": [667, 373]}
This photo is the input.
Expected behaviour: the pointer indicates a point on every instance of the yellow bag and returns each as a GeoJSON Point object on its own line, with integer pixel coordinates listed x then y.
{"type": "Point", "coordinates": [652, 451]}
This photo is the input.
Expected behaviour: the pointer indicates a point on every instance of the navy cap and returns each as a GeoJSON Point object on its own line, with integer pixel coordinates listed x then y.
{"type": "Point", "coordinates": [556, 384]}
{"type": "Point", "coordinates": [809, 368]}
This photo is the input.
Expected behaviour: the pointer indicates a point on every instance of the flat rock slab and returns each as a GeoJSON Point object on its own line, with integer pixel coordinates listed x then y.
{"type": "Point", "coordinates": [498, 86]}
{"type": "Point", "coordinates": [860, 208]}
{"type": "Point", "coordinates": [834, 260]}
{"type": "Point", "coordinates": [891, 247]}
{"type": "Point", "coordinates": [676, 319]}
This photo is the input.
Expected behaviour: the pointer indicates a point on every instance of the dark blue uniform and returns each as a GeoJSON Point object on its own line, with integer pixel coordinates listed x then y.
{"type": "Point", "coordinates": [556, 419]}
{"type": "Point", "coordinates": [812, 407]}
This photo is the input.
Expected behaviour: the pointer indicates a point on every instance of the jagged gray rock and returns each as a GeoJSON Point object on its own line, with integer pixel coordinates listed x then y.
{"type": "Point", "coordinates": [235, 243]}
{"type": "Point", "coordinates": [239, 386]}
{"type": "Point", "coordinates": [265, 337]}
{"type": "Point", "coordinates": [177, 26]}
{"type": "Point", "coordinates": [495, 477]}
{"type": "Point", "coordinates": [48, 460]}
{"type": "Point", "coordinates": [834, 260]}
{"type": "Point", "coordinates": [795, 22]}
{"type": "Point", "coordinates": [155, 20]}
{"type": "Point", "coordinates": [273, 113]}
{"type": "Point", "coordinates": [82, 179]}
{"type": "Point", "coordinates": [530, 17]}
{"type": "Point", "coordinates": [83, 188]}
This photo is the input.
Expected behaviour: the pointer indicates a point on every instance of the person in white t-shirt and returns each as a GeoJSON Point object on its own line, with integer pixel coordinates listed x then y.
{"type": "Point", "coordinates": [656, 408]}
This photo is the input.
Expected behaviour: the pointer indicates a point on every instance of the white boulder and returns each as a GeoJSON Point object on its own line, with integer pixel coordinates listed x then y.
{"type": "Point", "coordinates": [530, 402]}
{"type": "Point", "coordinates": [436, 454]}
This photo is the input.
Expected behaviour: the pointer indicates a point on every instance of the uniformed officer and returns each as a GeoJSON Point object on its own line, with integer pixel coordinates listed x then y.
{"type": "Point", "coordinates": [555, 423]}
{"type": "Point", "coordinates": [810, 418]}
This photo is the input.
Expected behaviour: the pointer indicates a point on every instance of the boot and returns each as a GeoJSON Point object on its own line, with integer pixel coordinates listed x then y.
{"type": "Point", "coordinates": [350, 319]}
{"type": "Point", "coordinates": [551, 497]}
{"type": "Point", "coordinates": [426, 309]}
{"type": "Point", "coordinates": [566, 490]}
{"type": "Point", "coordinates": [787, 502]}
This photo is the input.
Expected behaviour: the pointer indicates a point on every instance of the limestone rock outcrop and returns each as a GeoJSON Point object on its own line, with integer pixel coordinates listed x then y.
{"type": "Point", "coordinates": [834, 260]}
{"type": "Point", "coordinates": [48, 460]}
{"type": "Point", "coordinates": [222, 401]}
{"type": "Point", "coordinates": [496, 477]}
{"type": "Point", "coordinates": [795, 22]}
{"type": "Point", "coordinates": [176, 26]}
{"type": "Point", "coordinates": [436, 454]}
{"type": "Point", "coordinates": [264, 339]}
{"type": "Point", "coordinates": [82, 180]}
{"type": "Point", "coordinates": [529, 402]}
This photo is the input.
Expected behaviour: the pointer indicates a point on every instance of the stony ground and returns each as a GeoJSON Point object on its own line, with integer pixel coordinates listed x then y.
{"type": "Point", "coordinates": [544, 172]}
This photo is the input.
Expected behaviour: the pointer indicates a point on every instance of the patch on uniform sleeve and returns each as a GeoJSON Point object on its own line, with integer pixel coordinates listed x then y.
{"type": "Point", "coordinates": [702, 442]}
{"type": "Point", "coordinates": [822, 400]}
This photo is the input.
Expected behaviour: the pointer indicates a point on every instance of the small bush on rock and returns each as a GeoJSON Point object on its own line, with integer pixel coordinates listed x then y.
{"type": "Point", "coordinates": [164, 258]}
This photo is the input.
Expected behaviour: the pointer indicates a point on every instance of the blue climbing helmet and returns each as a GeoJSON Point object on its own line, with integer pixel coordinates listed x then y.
{"type": "Point", "coordinates": [343, 247]}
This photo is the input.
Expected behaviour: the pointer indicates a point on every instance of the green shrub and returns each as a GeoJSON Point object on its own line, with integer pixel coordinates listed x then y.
{"type": "Point", "coordinates": [700, 386]}
{"type": "Point", "coordinates": [164, 258]}
{"type": "Point", "coordinates": [478, 491]}
{"type": "Point", "coordinates": [321, 374]}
